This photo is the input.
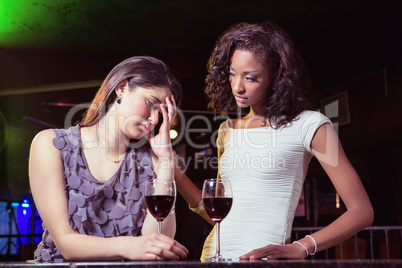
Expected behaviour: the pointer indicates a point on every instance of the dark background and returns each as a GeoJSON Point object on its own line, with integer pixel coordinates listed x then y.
{"type": "Point", "coordinates": [54, 55]}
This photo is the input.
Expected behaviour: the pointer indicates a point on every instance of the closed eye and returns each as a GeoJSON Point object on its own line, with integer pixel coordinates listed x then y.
{"type": "Point", "coordinates": [150, 103]}
{"type": "Point", "coordinates": [154, 106]}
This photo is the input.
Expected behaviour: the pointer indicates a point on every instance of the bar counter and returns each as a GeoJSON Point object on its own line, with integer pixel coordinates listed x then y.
{"type": "Point", "coordinates": [247, 264]}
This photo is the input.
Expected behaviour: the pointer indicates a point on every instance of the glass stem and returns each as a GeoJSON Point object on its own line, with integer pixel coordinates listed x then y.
{"type": "Point", "coordinates": [160, 227]}
{"type": "Point", "coordinates": [218, 240]}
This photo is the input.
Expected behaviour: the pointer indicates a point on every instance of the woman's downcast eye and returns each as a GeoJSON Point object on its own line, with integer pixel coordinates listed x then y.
{"type": "Point", "coordinates": [251, 79]}
{"type": "Point", "coordinates": [155, 106]}
{"type": "Point", "coordinates": [150, 103]}
{"type": "Point", "coordinates": [248, 78]}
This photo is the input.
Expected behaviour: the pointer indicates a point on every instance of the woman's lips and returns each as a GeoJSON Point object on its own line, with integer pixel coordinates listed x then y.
{"type": "Point", "coordinates": [144, 128]}
{"type": "Point", "coordinates": [240, 99]}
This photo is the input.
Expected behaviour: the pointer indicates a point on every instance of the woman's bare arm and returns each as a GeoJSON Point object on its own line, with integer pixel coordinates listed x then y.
{"type": "Point", "coordinates": [359, 213]}
{"type": "Point", "coordinates": [47, 184]}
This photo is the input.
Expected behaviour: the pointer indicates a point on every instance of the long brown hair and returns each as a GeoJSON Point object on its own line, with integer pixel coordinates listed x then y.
{"type": "Point", "coordinates": [140, 71]}
{"type": "Point", "coordinates": [272, 46]}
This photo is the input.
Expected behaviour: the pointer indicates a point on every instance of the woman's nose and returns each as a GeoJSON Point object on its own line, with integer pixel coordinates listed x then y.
{"type": "Point", "coordinates": [237, 86]}
{"type": "Point", "coordinates": [154, 117]}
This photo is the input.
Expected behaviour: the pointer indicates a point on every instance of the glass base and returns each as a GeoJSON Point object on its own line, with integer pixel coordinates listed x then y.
{"type": "Point", "coordinates": [218, 259]}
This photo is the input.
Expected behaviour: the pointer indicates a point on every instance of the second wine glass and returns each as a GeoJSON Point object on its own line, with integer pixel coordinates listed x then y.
{"type": "Point", "coordinates": [160, 196]}
{"type": "Point", "coordinates": [217, 198]}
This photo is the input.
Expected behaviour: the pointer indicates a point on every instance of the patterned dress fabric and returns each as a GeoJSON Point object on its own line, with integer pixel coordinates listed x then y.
{"type": "Point", "coordinates": [111, 208]}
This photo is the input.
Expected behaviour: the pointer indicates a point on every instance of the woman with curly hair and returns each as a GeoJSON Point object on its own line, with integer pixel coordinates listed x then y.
{"type": "Point", "coordinates": [265, 154]}
{"type": "Point", "coordinates": [289, 81]}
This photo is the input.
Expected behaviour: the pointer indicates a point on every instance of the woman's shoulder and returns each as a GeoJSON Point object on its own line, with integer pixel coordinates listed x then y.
{"type": "Point", "coordinates": [57, 137]}
{"type": "Point", "coordinates": [224, 124]}
{"type": "Point", "coordinates": [42, 143]}
{"type": "Point", "coordinates": [228, 123]}
{"type": "Point", "coordinates": [309, 117]}
{"type": "Point", "coordinates": [53, 132]}
{"type": "Point", "coordinates": [44, 136]}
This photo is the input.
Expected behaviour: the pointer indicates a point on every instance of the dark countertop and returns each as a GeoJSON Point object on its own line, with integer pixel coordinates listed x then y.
{"type": "Point", "coordinates": [181, 264]}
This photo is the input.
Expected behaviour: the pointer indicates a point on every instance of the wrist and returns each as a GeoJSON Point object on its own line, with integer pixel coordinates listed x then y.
{"type": "Point", "coordinates": [197, 209]}
{"type": "Point", "coordinates": [315, 244]}
{"type": "Point", "coordinates": [121, 247]}
{"type": "Point", "coordinates": [301, 249]}
{"type": "Point", "coordinates": [308, 244]}
{"type": "Point", "coordinates": [167, 155]}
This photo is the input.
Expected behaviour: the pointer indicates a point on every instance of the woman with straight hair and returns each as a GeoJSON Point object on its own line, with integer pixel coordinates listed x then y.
{"type": "Point", "coordinates": [88, 180]}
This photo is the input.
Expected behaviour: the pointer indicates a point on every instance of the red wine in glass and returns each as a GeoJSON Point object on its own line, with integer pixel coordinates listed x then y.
{"type": "Point", "coordinates": [160, 205]}
{"type": "Point", "coordinates": [160, 197]}
{"type": "Point", "coordinates": [217, 198]}
{"type": "Point", "coordinates": [217, 208]}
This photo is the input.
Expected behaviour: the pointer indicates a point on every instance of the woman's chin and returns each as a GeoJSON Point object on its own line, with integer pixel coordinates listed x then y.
{"type": "Point", "coordinates": [242, 105]}
{"type": "Point", "coordinates": [135, 135]}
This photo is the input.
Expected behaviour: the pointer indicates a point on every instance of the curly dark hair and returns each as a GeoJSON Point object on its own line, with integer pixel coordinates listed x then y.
{"type": "Point", "coordinates": [272, 46]}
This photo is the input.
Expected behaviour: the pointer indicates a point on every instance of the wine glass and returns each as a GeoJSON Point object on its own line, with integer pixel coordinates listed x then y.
{"type": "Point", "coordinates": [217, 198]}
{"type": "Point", "coordinates": [160, 196]}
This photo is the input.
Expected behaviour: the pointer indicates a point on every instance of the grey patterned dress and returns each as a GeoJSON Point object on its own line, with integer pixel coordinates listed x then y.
{"type": "Point", "coordinates": [111, 208]}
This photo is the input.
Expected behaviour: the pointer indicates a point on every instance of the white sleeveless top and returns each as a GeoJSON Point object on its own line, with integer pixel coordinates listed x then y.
{"type": "Point", "coordinates": [266, 168]}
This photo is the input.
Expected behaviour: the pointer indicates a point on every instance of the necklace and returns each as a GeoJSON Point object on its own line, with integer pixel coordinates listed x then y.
{"type": "Point", "coordinates": [102, 153]}
{"type": "Point", "coordinates": [114, 161]}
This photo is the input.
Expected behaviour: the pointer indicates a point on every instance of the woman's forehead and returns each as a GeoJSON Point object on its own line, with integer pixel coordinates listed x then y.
{"type": "Point", "coordinates": [159, 92]}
